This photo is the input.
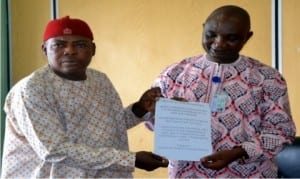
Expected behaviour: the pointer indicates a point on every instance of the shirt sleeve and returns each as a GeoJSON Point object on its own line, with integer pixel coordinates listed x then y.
{"type": "Point", "coordinates": [277, 126]}
{"type": "Point", "coordinates": [36, 120]}
{"type": "Point", "coordinates": [164, 82]}
{"type": "Point", "coordinates": [131, 119]}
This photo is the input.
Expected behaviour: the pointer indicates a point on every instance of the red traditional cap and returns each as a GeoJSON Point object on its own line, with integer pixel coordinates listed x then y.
{"type": "Point", "coordinates": [67, 26]}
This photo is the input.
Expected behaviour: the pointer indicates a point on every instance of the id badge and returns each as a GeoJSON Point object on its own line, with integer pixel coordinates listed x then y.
{"type": "Point", "coordinates": [218, 102]}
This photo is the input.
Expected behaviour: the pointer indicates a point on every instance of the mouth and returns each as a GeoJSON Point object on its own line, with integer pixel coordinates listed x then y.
{"type": "Point", "coordinates": [223, 56]}
{"type": "Point", "coordinates": [220, 53]}
{"type": "Point", "coordinates": [69, 61]}
{"type": "Point", "coordinates": [70, 64]}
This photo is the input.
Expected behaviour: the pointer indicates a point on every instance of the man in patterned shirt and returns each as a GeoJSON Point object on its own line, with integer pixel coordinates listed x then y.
{"type": "Point", "coordinates": [67, 121]}
{"type": "Point", "coordinates": [251, 119]}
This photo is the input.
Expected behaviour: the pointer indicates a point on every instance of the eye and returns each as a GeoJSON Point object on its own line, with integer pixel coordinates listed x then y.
{"type": "Point", "coordinates": [233, 38]}
{"type": "Point", "coordinates": [57, 45]}
{"type": "Point", "coordinates": [81, 44]}
{"type": "Point", "coordinates": [210, 35]}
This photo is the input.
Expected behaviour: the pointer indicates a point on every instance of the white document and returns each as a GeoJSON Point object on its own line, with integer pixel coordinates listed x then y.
{"type": "Point", "coordinates": [182, 130]}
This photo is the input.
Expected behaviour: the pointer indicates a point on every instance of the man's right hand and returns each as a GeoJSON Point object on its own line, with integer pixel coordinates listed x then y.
{"type": "Point", "coordinates": [149, 161]}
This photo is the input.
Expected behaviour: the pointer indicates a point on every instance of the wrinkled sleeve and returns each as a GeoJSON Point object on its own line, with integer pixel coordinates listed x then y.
{"type": "Point", "coordinates": [130, 118]}
{"type": "Point", "coordinates": [277, 126]}
{"type": "Point", "coordinates": [33, 114]}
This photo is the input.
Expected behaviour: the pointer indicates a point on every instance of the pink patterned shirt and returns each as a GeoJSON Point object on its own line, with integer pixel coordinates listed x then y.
{"type": "Point", "coordinates": [256, 116]}
{"type": "Point", "coordinates": [57, 128]}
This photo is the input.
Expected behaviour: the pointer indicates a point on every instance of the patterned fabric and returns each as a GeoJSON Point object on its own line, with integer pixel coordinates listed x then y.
{"type": "Point", "coordinates": [257, 113]}
{"type": "Point", "coordinates": [59, 128]}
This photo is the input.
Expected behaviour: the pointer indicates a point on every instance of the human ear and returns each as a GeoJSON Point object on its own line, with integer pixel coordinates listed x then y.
{"type": "Point", "coordinates": [249, 35]}
{"type": "Point", "coordinates": [44, 48]}
{"type": "Point", "coordinates": [93, 49]}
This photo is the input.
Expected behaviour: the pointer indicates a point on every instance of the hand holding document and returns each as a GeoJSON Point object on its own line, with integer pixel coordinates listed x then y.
{"type": "Point", "coordinates": [182, 130]}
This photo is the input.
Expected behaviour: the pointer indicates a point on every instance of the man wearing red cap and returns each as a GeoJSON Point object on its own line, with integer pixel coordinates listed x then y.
{"type": "Point", "coordinates": [67, 121]}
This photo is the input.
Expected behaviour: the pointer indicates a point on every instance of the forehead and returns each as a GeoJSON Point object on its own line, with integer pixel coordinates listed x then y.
{"type": "Point", "coordinates": [225, 24]}
{"type": "Point", "coordinates": [69, 38]}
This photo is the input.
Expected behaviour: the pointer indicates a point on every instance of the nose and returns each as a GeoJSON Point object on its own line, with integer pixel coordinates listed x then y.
{"type": "Point", "coordinates": [219, 42]}
{"type": "Point", "coordinates": [69, 50]}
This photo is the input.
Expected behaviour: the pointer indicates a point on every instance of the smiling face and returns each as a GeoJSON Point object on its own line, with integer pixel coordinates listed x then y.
{"type": "Point", "coordinates": [225, 33]}
{"type": "Point", "coordinates": [69, 55]}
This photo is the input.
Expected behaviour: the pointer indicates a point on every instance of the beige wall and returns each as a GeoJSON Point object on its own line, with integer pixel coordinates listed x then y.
{"type": "Point", "coordinates": [135, 40]}
{"type": "Point", "coordinates": [28, 18]}
{"type": "Point", "coordinates": [291, 54]}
